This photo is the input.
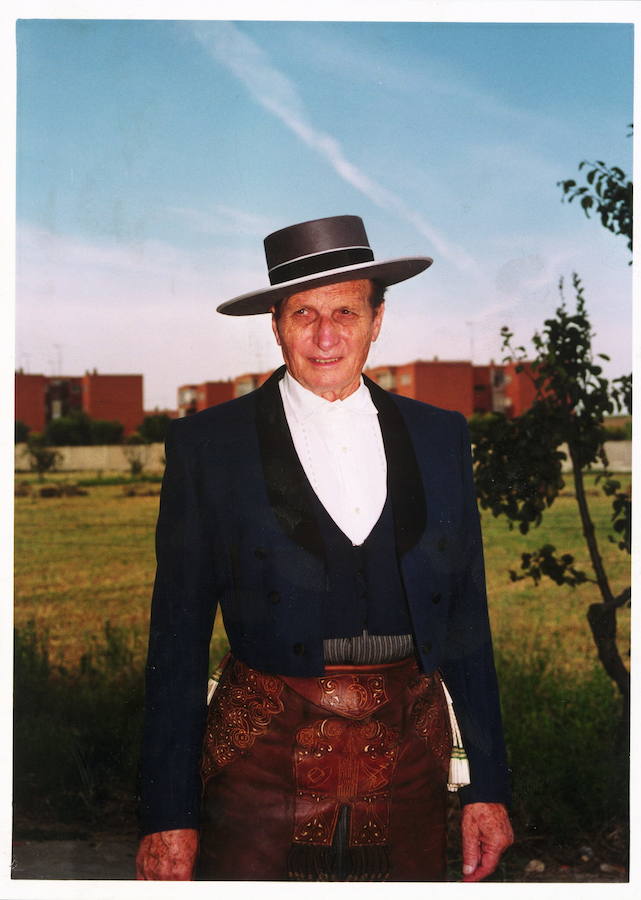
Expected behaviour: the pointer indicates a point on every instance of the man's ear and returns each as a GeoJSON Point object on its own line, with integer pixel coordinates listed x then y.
{"type": "Point", "coordinates": [275, 324]}
{"type": "Point", "coordinates": [378, 320]}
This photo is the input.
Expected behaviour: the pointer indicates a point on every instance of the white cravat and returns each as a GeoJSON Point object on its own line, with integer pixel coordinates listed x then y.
{"type": "Point", "coordinates": [341, 450]}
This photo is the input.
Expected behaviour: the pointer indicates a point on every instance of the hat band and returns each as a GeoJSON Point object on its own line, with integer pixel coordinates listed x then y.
{"type": "Point", "coordinates": [318, 263]}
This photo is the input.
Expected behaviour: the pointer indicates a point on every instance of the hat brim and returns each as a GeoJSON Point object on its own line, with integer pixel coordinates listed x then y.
{"type": "Point", "coordinates": [388, 272]}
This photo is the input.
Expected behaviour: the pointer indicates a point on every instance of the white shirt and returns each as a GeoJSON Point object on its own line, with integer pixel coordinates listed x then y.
{"type": "Point", "coordinates": [341, 450]}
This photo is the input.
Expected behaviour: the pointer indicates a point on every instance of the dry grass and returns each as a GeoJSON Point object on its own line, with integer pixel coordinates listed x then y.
{"type": "Point", "coordinates": [81, 561]}
{"type": "Point", "coordinates": [526, 618]}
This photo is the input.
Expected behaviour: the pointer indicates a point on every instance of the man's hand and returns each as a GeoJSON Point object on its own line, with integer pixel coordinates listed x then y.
{"type": "Point", "coordinates": [167, 855]}
{"type": "Point", "coordinates": [486, 832]}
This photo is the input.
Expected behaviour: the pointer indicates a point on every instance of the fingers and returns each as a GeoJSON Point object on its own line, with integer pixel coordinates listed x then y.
{"type": "Point", "coordinates": [167, 855]}
{"type": "Point", "coordinates": [486, 834]}
{"type": "Point", "coordinates": [471, 847]}
{"type": "Point", "coordinates": [487, 864]}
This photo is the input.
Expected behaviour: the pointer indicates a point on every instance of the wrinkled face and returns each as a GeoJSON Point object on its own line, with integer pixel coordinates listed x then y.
{"type": "Point", "coordinates": [325, 335]}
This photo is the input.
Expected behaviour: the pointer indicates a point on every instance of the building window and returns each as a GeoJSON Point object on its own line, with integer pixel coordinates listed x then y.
{"type": "Point", "coordinates": [406, 379]}
{"type": "Point", "coordinates": [386, 380]}
{"type": "Point", "coordinates": [244, 387]}
{"type": "Point", "coordinates": [186, 396]}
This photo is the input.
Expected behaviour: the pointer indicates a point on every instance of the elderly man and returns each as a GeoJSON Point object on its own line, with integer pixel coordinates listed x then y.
{"type": "Point", "coordinates": [336, 526]}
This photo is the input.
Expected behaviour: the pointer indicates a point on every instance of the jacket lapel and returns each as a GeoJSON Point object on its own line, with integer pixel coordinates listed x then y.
{"type": "Point", "coordinates": [289, 490]}
{"type": "Point", "coordinates": [287, 486]}
{"type": "Point", "coordinates": [404, 481]}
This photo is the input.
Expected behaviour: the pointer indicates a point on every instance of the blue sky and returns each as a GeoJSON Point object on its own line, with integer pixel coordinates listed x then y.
{"type": "Point", "coordinates": [154, 156]}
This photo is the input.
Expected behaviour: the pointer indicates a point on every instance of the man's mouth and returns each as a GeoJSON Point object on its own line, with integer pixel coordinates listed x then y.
{"type": "Point", "coordinates": [322, 361]}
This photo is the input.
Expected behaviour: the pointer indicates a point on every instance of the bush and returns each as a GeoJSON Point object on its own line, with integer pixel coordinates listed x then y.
{"type": "Point", "coordinates": [621, 432]}
{"type": "Point", "coordinates": [73, 430]}
{"type": "Point", "coordinates": [119, 479]}
{"type": "Point", "coordinates": [568, 774]}
{"type": "Point", "coordinates": [21, 432]}
{"type": "Point", "coordinates": [106, 432]}
{"type": "Point", "coordinates": [136, 452]}
{"type": "Point", "coordinates": [41, 458]}
{"type": "Point", "coordinates": [79, 430]}
{"type": "Point", "coordinates": [154, 428]}
{"type": "Point", "coordinates": [76, 733]}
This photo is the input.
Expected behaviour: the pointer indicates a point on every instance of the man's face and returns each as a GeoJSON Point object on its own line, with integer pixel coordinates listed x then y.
{"type": "Point", "coordinates": [325, 335]}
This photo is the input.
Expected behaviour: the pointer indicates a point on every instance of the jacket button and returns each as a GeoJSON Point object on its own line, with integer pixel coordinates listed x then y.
{"type": "Point", "coordinates": [436, 598]}
{"type": "Point", "coordinates": [442, 544]}
{"type": "Point", "coordinates": [260, 553]}
{"type": "Point", "coordinates": [299, 649]}
{"type": "Point", "coordinates": [427, 646]}
{"type": "Point", "coordinates": [273, 597]}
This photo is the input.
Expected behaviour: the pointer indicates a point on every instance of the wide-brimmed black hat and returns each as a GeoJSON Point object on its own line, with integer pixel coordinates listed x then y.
{"type": "Point", "coordinates": [323, 251]}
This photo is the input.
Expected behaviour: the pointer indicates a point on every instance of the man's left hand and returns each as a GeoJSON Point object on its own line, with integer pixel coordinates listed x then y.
{"type": "Point", "coordinates": [486, 832]}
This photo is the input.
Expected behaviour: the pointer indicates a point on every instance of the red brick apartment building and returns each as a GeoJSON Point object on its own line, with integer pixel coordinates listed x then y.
{"type": "Point", "coordinates": [193, 398]}
{"type": "Point", "coordinates": [41, 398]}
{"type": "Point", "coordinates": [457, 385]}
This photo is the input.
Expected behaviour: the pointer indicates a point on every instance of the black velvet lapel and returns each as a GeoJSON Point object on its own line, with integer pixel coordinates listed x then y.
{"type": "Point", "coordinates": [287, 485]}
{"type": "Point", "coordinates": [404, 481]}
{"type": "Point", "coordinates": [289, 490]}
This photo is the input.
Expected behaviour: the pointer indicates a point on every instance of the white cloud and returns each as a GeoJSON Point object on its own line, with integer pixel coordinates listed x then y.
{"type": "Point", "coordinates": [151, 308]}
{"type": "Point", "coordinates": [276, 93]}
{"type": "Point", "coordinates": [80, 270]}
{"type": "Point", "coordinates": [224, 220]}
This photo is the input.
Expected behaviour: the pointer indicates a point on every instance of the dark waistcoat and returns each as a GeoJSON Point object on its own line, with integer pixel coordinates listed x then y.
{"type": "Point", "coordinates": [364, 586]}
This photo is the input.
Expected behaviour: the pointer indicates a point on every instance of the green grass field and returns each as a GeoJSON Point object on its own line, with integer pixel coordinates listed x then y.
{"type": "Point", "coordinates": [81, 561]}
{"type": "Point", "coordinates": [84, 571]}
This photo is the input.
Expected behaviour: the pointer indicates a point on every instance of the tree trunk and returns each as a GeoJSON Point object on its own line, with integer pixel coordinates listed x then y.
{"type": "Point", "coordinates": [602, 617]}
{"type": "Point", "coordinates": [603, 624]}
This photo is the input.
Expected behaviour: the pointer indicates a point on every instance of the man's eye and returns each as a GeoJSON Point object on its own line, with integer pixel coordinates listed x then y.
{"type": "Point", "coordinates": [300, 312]}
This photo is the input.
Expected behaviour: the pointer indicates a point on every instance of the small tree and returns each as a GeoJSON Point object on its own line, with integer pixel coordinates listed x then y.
{"type": "Point", "coordinates": [518, 464]}
{"type": "Point", "coordinates": [154, 427]}
{"type": "Point", "coordinates": [608, 193]}
{"type": "Point", "coordinates": [73, 430]}
{"type": "Point", "coordinates": [136, 452]}
{"type": "Point", "coordinates": [42, 458]}
{"type": "Point", "coordinates": [106, 432]}
{"type": "Point", "coordinates": [21, 432]}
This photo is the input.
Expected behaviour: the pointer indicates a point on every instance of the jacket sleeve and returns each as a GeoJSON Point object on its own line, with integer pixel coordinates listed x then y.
{"type": "Point", "coordinates": [182, 615]}
{"type": "Point", "coordinates": [468, 665]}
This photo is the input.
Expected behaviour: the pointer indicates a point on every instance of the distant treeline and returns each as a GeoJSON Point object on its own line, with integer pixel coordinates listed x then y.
{"type": "Point", "coordinates": [77, 429]}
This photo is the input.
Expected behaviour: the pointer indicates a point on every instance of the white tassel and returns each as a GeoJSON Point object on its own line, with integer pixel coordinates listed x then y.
{"type": "Point", "coordinates": [459, 774]}
{"type": "Point", "coordinates": [212, 683]}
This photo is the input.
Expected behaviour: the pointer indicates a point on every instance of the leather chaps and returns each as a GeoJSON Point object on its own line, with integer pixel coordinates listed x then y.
{"type": "Point", "coordinates": [336, 778]}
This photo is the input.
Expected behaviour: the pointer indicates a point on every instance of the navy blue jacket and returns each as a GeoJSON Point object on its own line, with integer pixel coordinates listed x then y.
{"type": "Point", "coordinates": [236, 527]}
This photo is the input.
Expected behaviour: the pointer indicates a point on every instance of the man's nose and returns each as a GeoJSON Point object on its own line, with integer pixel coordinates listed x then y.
{"type": "Point", "coordinates": [326, 333]}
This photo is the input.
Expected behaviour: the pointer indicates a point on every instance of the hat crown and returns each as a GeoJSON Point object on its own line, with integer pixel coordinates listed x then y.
{"type": "Point", "coordinates": [317, 245]}
{"type": "Point", "coordinates": [312, 254]}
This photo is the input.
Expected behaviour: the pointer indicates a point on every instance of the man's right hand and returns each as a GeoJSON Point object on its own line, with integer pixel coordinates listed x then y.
{"type": "Point", "coordinates": [167, 855]}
